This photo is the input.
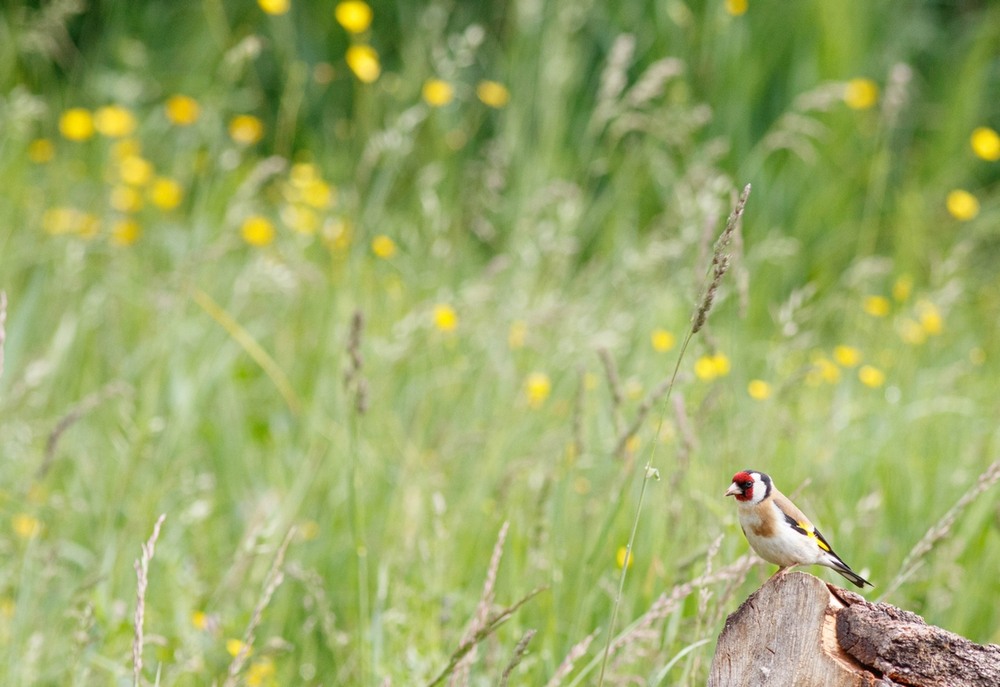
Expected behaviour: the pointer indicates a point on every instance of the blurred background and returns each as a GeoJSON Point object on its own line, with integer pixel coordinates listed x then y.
{"type": "Point", "coordinates": [383, 280]}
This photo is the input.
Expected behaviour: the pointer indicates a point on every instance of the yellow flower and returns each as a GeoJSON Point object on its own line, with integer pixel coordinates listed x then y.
{"type": "Point", "coordinates": [876, 306]}
{"type": "Point", "coordinates": [363, 61]}
{"type": "Point", "coordinates": [182, 110]}
{"type": "Point", "coordinates": [759, 389]}
{"type": "Point", "coordinates": [135, 170]}
{"type": "Point", "coordinates": [125, 232]}
{"type": "Point", "coordinates": [125, 199]}
{"type": "Point", "coordinates": [517, 334]}
{"type": "Point", "coordinates": [822, 370]}
{"type": "Point", "coordinates": [235, 646]}
{"type": "Point", "coordinates": [985, 143]}
{"type": "Point", "coordinates": [847, 356]}
{"type": "Point", "coordinates": [861, 94]}
{"type": "Point", "coordinates": [126, 147]}
{"type": "Point", "coordinates": [871, 376]}
{"type": "Point", "coordinates": [492, 93]}
{"type": "Point", "coordinates": [76, 124]}
{"type": "Point", "coordinates": [709, 367]}
{"type": "Point", "coordinates": [246, 129]}
{"type": "Point", "coordinates": [437, 92]}
{"type": "Point", "coordinates": [260, 673]}
{"type": "Point", "coordinates": [662, 340]}
{"type": "Point", "coordinates": [318, 194]}
{"type": "Point", "coordinates": [355, 16]}
{"type": "Point", "coordinates": [911, 332]}
{"type": "Point", "coordinates": [902, 288]}
{"type": "Point", "coordinates": [257, 231]}
{"type": "Point", "coordinates": [737, 7]}
{"type": "Point", "coordinates": [624, 557]}
{"type": "Point", "coordinates": [930, 318]}
{"type": "Point", "coordinates": [962, 205]}
{"type": "Point", "coordinates": [70, 221]}
{"type": "Point", "coordinates": [114, 121]}
{"type": "Point", "coordinates": [299, 219]}
{"type": "Point", "coordinates": [41, 151]}
{"type": "Point", "coordinates": [26, 526]}
{"type": "Point", "coordinates": [165, 193]}
{"type": "Point", "coordinates": [445, 317]}
{"type": "Point", "coordinates": [274, 7]}
{"type": "Point", "coordinates": [537, 388]}
{"type": "Point", "coordinates": [383, 246]}
{"type": "Point", "coordinates": [200, 620]}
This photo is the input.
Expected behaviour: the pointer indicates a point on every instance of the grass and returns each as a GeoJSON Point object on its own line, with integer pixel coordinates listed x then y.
{"type": "Point", "coordinates": [482, 367]}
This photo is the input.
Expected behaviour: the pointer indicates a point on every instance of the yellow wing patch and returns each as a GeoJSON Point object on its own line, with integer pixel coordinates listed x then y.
{"type": "Point", "coordinates": [809, 531]}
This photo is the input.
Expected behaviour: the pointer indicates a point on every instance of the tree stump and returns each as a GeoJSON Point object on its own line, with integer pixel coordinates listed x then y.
{"type": "Point", "coordinates": [799, 631]}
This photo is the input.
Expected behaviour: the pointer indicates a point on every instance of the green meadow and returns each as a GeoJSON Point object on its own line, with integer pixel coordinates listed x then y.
{"type": "Point", "coordinates": [388, 310]}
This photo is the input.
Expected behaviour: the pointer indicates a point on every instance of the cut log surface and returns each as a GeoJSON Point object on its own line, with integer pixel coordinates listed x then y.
{"type": "Point", "coordinates": [799, 631]}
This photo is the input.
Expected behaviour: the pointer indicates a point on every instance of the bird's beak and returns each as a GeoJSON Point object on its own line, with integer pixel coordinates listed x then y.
{"type": "Point", "coordinates": [733, 490]}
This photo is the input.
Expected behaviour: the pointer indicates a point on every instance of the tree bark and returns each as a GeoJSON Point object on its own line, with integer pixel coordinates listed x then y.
{"type": "Point", "coordinates": [797, 630]}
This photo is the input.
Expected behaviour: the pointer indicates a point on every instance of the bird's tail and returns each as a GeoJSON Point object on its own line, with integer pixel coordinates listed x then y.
{"type": "Point", "coordinates": [845, 570]}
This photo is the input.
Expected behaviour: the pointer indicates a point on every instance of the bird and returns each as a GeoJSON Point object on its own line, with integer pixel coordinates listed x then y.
{"type": "Point", "coordinates": [778, 531]}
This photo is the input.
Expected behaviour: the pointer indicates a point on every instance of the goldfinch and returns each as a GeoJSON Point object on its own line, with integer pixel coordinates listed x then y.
{"type": "Point", "coordinates": [778, 531]}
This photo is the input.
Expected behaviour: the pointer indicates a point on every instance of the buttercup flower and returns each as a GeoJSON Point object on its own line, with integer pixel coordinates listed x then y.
{"type": "Point", "coordinates": [363, 61]}
{"type": "Point", "coordinates": [985, 143]}
{"type": "Point", "coordinates": [182, 110]}
{"type": "Point", "coordinates": [246, 129]}
{"type": "Point", "coordinates": [76, 124]}
{"type": "Point", "coordinates": [437, 92]}
{"type": "Point", "coordinates": [861, 94]}
{"type": "Point", "coordinates": [492, 93]}
{"type": "Point", "coordinates": [353, 15]}
{"type": "Point", "coordinates": [962, 205]}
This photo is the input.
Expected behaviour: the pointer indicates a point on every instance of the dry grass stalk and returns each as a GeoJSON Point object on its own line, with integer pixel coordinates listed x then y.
{"type": "Point", "coordinates": [914, 559]}
{"type": "Point", "coordinates": [492, 623]}
{"type": "Point", "coordinates": [461, 673]}
{"type": "Point", "coordinates": [574, 655]}
{"type": "Point", "coordinates": [354, 381]}
{"type": "Point", "coordinates": [3, 327]}
{"type": "Point", "coordinates": [720, 261]}
{"type": "Point", "coordinates": [89, 403]}
{"type": "Point", "coordinates": [142, 582]}
{"type": "Point", "coordinates": [614, 384]}
{"type": "Point", "coordinates": [274, 578]}
{"type": "Point", "coordinates": [519, 651]}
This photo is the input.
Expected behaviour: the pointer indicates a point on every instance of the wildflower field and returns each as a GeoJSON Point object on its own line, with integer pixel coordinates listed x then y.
{"type": "Point", "coordinates": [389, 309]}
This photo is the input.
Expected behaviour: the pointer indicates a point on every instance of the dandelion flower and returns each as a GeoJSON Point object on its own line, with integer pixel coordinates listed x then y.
{"type": "Point", "coordinates": [76, 124]}
{"type": "Point", "coordinates": [383, 246]}
{"type": "Point", "coordinates": [437, 92]}
{"type": "Point", "coordinates": [493, 94]}
{"type": "Point", "coordinates": [759, 390]}
{"type": "Point", "coordinates": [962, 205]}
{"type": "Point", "coordinates": [624, 557]}
{"type": "Point", "coordinates": [363, 61]}
{"type": "Point", "coordinates": [930, 318]}
{"type": "Point", "coordinates": [274, 7]}
{"type": "Point", "coordinates": [737, 7]}
{"type": "Point", "coordinates": [902, 288]}
{"type": "Point", "coordinates": [246, 129]}
{"type": "Point", "coordinates": [537, 388]}
{"type": "Point", "coordinates": [871, 376]}
{"type": "Point", "coordinates": [257, 231]}
{"type": "Point", "coordinates": [355, 16]}
{"type": "Point", "coordinates": [876, 306]}
{"type": "Point", "coordinates": [911, 332]}
{"type": "Point", "coordinates": [847, 356]}
{"type": "Point", "coordinates": [861, 94]}
{"type": "Point", "coordinates": [182, 110]}
{"type": "Point", "coordinates": [165, 193]}
{"type": "Point", "coordinates": [125, 232]}
{"type": "Point", "coordinates": [26, 526]}
{"type": "Point", "coordinates": [235, 646]}
{"type": "Point", "coordinates": [114, 121]}
{"type": "Point", "coordinates": [125, 199]}
{"type": "Point", "coordinates": [662, 340]}
{"type": "Point", "coordinates": [41, 151]}
{"type": "Point", "coordinates": [135, 170]}
{"type": "Point", "coordinates": [445, 317]}
{"type": "Point", "coordinates": [200, 620]}
{"type": "Point", "coordinates": [709, 367]}
{"type": "Point", "coordinates": [985, 143]}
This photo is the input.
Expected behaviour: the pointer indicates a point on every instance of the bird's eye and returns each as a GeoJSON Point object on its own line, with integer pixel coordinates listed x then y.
{"type": "Point", "coordinates": [746, 485]}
